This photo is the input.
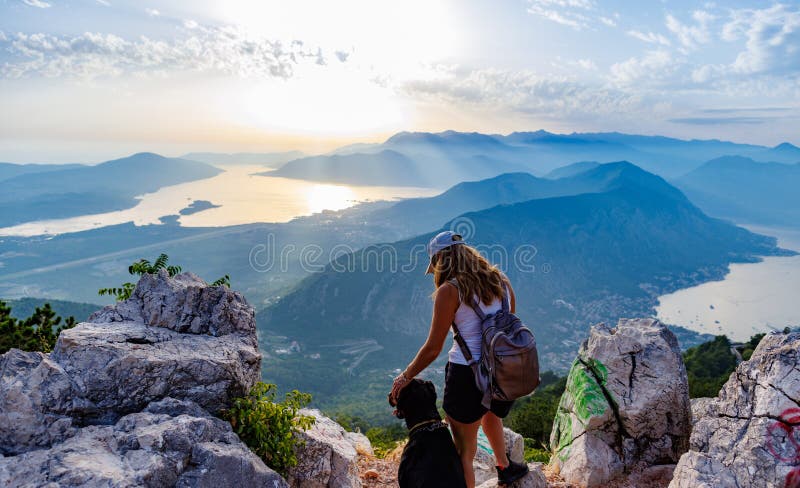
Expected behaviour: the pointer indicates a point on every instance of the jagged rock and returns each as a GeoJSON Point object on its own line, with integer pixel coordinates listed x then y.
{"type": "Point", "coordinates": [184, 303]}
{"type": "Point", "coordinates": [100, 371]}
{"type": "Point", "coordinates": [172, 442]}
{"type": "Point", "coordinates": [534, 479]}
{"type": "Point", "coordinates": [751, 438]}
{"type": "Point", "coordinates": [626, 405]}
{"type": "Point", "coordinates": [484, 464]}
{"type": "Point", "coordinates": [121, 367]}
{"type": "Point", "coordinates": [702, 407]}
{"type": "Point", "coordinates": [328, 458]}
{"type": "Point", "coordinates": [36, 399]}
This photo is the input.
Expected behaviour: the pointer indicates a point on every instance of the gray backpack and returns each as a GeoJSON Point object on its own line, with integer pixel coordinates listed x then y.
{"type": "Point", "coordinates": [509, 365]}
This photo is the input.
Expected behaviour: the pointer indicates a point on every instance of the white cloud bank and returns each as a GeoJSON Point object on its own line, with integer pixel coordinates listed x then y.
{"type": "Point", "coordinates": [90, 55]}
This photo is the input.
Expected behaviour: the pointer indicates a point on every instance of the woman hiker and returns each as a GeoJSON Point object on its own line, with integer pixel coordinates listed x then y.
{"type": "Point", "coordinates": [459, 274]}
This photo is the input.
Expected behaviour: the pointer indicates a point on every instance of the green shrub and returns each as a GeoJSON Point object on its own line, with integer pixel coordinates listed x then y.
{"type": "Point", "coordinates": [38, 332]}
{"type": "Point", "coordinates": [536, 452]}
{"type": "Point", "coordinates": [385, 439]}
{"type": "Point", "coordinates": [746, 349]}
{"type": "Point", "coordinates": [269, 427]}
{"type": "Point", "coordinates": [708, 366]}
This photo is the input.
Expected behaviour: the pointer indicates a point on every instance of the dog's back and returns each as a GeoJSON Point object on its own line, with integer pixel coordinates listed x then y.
{"type": "Point", "coordinates": [430, 460]}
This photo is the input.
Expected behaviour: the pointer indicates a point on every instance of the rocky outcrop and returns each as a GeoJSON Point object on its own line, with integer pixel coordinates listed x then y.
{"type": "Point", "coordinates": [170, 443]}
{"type": "Point", "coordinates": [126, 398]}
{"type": "Point", "coordinates": [625, 407]}
{"type": "Point", "coordinates": [751, 436]}
{"type": "Point", "coordinates": [703, 407]}
{"type": "Point", "coordinates": [327, 456]}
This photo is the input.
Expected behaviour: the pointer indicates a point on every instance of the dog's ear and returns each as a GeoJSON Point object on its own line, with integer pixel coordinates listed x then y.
{"type": "Point", "coordinates": [391, 399]}
{"type": "Point", "coordinates": [430, 389]}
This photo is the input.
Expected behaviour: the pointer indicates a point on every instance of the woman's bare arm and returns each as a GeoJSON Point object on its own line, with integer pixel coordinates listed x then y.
{"type": "Point", "coordinates": [444, 311]}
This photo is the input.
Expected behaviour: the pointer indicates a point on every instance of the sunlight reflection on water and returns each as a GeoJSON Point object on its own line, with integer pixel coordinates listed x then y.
{"type": "Point", "coordinates": [243, 198]}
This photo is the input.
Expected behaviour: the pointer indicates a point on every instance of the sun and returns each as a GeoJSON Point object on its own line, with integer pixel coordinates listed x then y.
{"type": "Point", "coordinates": [329, 197]}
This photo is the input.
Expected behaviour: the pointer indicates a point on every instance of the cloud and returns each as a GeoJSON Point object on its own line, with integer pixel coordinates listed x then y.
{"type": "Point", "coordinates": [225, 50]}
{"type": "Point", "coordinates": [650, 37]}
{"type": "Point", "coordinates": [37, 3]}
{"type": "Point", "coordinates": [744, 110]}
{"type": "Point", "coordinates": [690, 36]}
{"type": "Point", "coordinates": [772, 39]}
{"type": "Point", "coordinates": [608, 21]}
{"type": "Point", "coordinates": [572, 13]}
{"type": "Point", "coordinates": [152, 12]}
{"type": "Point", "coordinates": [722, 120]}
{"type": "Point", "coordinates": [653, 66]}
{"type": "Point", "coordinates": [543, 96]}
{"type": "Point", "coordinates": [104, 2]}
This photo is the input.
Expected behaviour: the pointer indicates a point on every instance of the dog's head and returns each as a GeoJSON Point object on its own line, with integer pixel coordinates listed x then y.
{"type": "Point", "coordinates": [416, 402]}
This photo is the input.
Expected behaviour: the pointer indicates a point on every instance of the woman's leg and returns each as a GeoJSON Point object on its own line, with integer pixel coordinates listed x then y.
{"type": "Point", "coordinates": [493, 428]}
{"type": "Point", "coordinates": [465, 437]}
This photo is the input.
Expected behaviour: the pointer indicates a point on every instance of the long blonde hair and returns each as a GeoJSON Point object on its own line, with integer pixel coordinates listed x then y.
{"type": "Point", "coordinates": [474, 274]}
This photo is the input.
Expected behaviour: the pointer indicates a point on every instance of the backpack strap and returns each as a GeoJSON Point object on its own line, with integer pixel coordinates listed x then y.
{"type": "Point", "coordinates": [476, 307]}
{"type": "Point", "coordinates": [462, 344]}
{"type": "Point", "coordinates": [506, 301]}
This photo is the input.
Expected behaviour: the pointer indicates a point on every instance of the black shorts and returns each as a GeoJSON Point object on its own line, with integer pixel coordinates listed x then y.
{"type": "Point", "coordinates": [462, 398]}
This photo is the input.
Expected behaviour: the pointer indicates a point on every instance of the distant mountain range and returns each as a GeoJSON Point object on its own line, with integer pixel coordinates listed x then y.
{"type": "Point", "coordinates": [264, 159]}
{"type": "Point", "coordinates": [574, 261]}
{"type": "Point", "coordinates": [419, 215]}
{"type": "Point", "coordinates": [68, 192]}
{"type": "Point", "coordinates": [446, 158]}
{"type": "Point", "coordinates": [571, 169]}
{"type": "Point", "coordinates": [24, 307]}
{"type": "Point", "coordinates": [10, 170]}
{"type": "Point", "coordinates": [381, 168]}
{"type": "Point", "coordinates": [747, 191]}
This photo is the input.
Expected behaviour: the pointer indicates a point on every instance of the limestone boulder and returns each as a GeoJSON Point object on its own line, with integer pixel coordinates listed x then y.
{"type": "Point", "coordinates": [170, 443]}
{"type": "Point", "coordinates": [327, 456]}
{"type": "Point", "coordinates": [751, 436]}
{"type": "Point", "coordinates": [626, 404]}
{"type": "Point", "coordinates": [702, 407]}
{"type": "Point", "coordinates": [201, 346]}
{"type": "Point", "coordinates": [36, 400]}
{"type": "Point", "coordinates": [120, 367]}
{"type": "Point", "coordinates": [183, 303]}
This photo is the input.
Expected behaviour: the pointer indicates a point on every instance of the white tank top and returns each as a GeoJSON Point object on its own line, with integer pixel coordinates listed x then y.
{"type": "Point", "coordinates": [469, 326]}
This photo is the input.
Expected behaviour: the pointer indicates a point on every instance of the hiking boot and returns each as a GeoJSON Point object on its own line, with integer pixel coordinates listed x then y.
{"type": "Point", "coordinates": [511, 473]}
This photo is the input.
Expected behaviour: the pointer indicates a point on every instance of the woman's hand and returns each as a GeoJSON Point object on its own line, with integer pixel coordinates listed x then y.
{"type": "Point", "coordinates": [400, 382]}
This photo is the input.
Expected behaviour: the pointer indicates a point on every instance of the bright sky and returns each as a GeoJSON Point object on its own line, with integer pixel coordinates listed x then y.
{"type": "Point", "coordinates": [89, 80]}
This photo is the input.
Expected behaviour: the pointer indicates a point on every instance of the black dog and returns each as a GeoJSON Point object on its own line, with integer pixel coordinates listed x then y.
{"type": "Point", "coordinates": [430, 459]}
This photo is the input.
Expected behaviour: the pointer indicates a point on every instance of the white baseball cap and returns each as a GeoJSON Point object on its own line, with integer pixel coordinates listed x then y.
{"type": "Point", "coordinates": [442, 240]}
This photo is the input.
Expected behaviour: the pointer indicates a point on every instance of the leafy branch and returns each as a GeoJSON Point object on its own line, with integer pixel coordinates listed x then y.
{"type": "Point", "coordinates": [142, 267]}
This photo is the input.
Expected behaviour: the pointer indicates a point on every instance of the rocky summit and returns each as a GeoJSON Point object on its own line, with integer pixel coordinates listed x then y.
{"type": "Point", "coordinates": [626, 405]}
{"type": "Point", "coordinates": [127, 398]}
{"type": "Point", "coordinates": [131, 398]}
{"type": "Point", "coordinates": [749, 436]}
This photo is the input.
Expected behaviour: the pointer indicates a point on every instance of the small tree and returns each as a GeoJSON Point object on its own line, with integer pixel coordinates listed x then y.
{"type": "Point", "coordinates": [269, 427]}
{"type": "Point", "coordinates": [142, 267]}
{"type": "Point", "coordinates": [38, 332]}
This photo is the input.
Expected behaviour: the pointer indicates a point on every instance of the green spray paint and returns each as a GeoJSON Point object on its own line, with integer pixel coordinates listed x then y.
{"type": "Point", "coordinates": [582, 397]}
